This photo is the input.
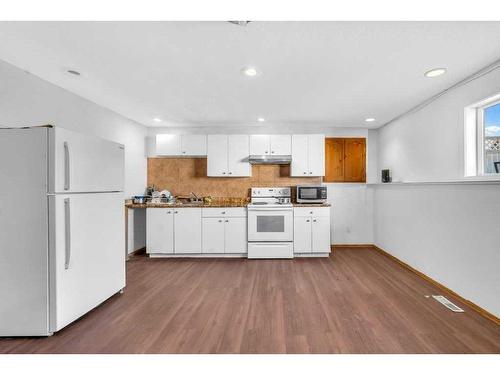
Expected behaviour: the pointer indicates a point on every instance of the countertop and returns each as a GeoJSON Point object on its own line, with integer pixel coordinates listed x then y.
{"type": "Point", "coordinates": [214, 205]}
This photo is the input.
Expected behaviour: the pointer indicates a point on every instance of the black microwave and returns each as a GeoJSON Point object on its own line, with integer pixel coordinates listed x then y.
{"type": "Point", "coordinates": [311, 194]}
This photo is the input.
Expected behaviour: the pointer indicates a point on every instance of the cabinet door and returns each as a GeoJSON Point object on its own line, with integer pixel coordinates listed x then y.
{"type": "Point", "coordinates": [321, 235]}
{"type": "Point", "coordinates": [334, 159]}
{"type": "Point", "coordinates": [316, 153]}
{"type": "Point", "coordinates": [159, 231]}
{"type": "Point", "coordinates": [281, 144]}
{"type": "Point", "coordinates": [236, 235]}
{"type": "Point", "coordinates": [259, 144]}
{"type": "Point", "coordinates": [217, 155]}
{"type": "Point", "coordinates": [187, 230]}
{"type": "Point", "coordinates": [355, 159]}
{"type": "Point", "coordinates": [168, 145]}
{"type": "Point", "coordinates": [300, 156]}
{"type": "Point", "coordinates": [302, 235]}
{"type": "Point", "coordinates": [213, 235]}
{"type": "Point", "coordinates": [238, 153]}
{"type": "Point", "coordinates": [194, 145]}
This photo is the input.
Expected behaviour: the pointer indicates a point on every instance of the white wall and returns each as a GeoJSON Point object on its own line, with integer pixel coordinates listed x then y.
{"type": "Point", "coordinates": [352, 204]}
{"type": "Point", "coordinates": [26, 100]}
{"type": "Point", "coordinates": [447, 231]}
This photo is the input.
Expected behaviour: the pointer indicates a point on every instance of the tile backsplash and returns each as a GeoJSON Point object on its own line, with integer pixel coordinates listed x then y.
{"type": "Point", "coordinates": [184, 175]}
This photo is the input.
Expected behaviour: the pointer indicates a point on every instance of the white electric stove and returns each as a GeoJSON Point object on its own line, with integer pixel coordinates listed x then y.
{"type": "Point", "coordinates": [270, 223]}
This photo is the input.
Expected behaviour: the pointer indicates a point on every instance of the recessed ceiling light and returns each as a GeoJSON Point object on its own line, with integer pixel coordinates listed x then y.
{"type": "Point", "coordinates": [435, 72]}
{"type": "Point", "coordinates": [250, 71]}
{"type": "Point", "coordinates": [261, 119]}
{"type": "Point", "coordinates": [73, 72]}
{"type": "Point", "coordinates": [157, 119]}
{"type": "Point", "coordinates": [370, 119]}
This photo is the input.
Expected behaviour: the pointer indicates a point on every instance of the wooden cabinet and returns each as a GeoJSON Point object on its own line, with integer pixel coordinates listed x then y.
{"type": "Point", "coordinates": [345, 160]}
{"type": "Point", "coordinates": [311, 230]}
{"type": "Point", "coordinates": [224, 231]}
{"type": "Point", "coordinates": [308, 155]}
{"type": "Point", "coordinates": [181, 145]}
{"type": "Point", "coordinates": [173, 230]}
{"type": "Point", "coordinates": [278, 144]}
{"type": "Point", "coordinates": [228, 156]}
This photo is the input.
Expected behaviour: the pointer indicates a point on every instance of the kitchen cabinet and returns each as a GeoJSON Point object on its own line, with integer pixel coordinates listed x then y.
{"type": "Point", "coordinates": [308, 155]}
{"type": "Point", "coordinates": [181, 145]}
{"type": "Point", "coordinates": [159, 231]}
{"type": "Point", "coordinates": [224, 233]}
{"type": "Point", "coordinates": [311, 230]}
{"type": "Point", "coordinates": [345, 160]}
{"type": "Point", "coordinates": [227, 156]}
{"type": "Point", "coordinates": [279, 144]}
{"type": "Point", "coordinates": [173, 230]}
{"type": "Point", "coordinates": [187, 230]}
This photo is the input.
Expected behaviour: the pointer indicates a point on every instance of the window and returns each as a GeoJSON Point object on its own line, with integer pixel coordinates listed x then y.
{"type": "Point", "coordinates": [345, 160]}
{"type": "Point", "coordinates": [482, 138]}
{"type": "Point", "coordinates": [489, 126]}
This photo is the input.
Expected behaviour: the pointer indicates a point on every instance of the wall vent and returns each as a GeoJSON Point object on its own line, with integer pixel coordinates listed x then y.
{"type": "Point", "coordinates": [445, 301]}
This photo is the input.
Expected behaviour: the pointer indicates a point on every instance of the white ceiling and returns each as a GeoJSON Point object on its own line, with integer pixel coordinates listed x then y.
{"type": "Point", "coordinates": [313, 73]}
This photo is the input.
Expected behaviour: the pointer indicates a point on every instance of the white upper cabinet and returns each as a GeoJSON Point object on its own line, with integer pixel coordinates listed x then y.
{"type": "Point", "coordinates": [280, 144]}
{"type": "Point", "coordinates": [259, 144]}
{"type": "Point", "coordinates": [308, 155]}
{"type": "Point", "coordinates": [168, 145]}
{"type": "Point", "coordinates": [194, 145]}
{"type": "Point", "coordinates": [181, 145]}
{"type": "Point", "coordinates": [228, 156]}
{"type": "Point", "coordinates": [238, 153]}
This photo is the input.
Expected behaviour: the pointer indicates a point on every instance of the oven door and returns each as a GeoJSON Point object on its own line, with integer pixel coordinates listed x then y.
{"type": "Point", "coordinates": [270, 224]}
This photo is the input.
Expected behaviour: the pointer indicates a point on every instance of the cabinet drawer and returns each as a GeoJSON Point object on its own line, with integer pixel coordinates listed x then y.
{"type": "Point", "coordinates": [311, 211]}
{"type": "Point", "coordinates": [224, 212]}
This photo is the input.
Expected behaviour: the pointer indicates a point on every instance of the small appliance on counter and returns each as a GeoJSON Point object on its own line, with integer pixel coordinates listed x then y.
{"type": "Point", "coordinates": [311, 194]}
{"type": "Point", "coordinates": [386, 175]}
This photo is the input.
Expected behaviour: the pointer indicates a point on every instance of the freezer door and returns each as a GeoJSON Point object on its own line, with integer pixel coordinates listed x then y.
{"type": "Point", "coordinates": [82, 163]}
{"type": "Point", "coordinates": [87, 253]}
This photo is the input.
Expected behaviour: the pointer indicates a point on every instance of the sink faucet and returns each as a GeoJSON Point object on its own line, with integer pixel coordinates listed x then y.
{"type": "Point", "coordinates": [196, 198]}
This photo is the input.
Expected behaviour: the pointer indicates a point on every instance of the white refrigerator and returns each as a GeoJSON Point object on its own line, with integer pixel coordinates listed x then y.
{"type": "Point", "coordinates": [62, 227]}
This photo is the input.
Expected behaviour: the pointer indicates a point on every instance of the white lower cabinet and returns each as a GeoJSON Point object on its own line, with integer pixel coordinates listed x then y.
{"type": "Point", "coordinates": [159, 231]}
{"type": "Point", "coordinates": [224, 235]}
{"type": "Point", "coordinates": [187, 230]}
{"type": "Point", "coordinates": [311, 230]}
{"type": "Point", "coordinates": [173, 230]}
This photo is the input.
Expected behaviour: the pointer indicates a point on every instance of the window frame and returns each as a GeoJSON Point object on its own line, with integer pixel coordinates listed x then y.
{"type": "Point", "coordinates": [481, 136]}
{"type": "Point", "coordinates": [474, 138]}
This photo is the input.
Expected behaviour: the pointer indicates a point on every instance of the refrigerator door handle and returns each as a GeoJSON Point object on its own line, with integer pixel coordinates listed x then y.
{"type": "Point", "coordinates": [66, 167]}
{"type": "Point", "coordinates": [67, 232]}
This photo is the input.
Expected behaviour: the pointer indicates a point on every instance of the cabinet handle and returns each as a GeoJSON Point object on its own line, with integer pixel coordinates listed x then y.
{"type": "Point", "coordinates": [169, 212]}
{"type": "Point", "coordinates": [314, 220]}
{"type": "Point", "coordinates": [307, 221]}
{"type": "Point", "coordinates": [310, 173]}
{"type": "Point", "coordinates": [223, 172]}
{"type": "Point", "coordinates": [183, 152]}
{"type": "Point", "coordinates": [227, 221]}
{"type": "Point", "coordinates": [230, 172]}
{"type": "Point", "coordinates": [267, 152]}
{"type": "Point", "coordinates": [311, 212]}
{"type": "Point", "coordinates": [176, 212]}
{"type": "Point", "coordinates": [220, 221]}
{"type": "Point", "coordinates": [305, 172]}
{"type": "Point", "coordinates": [223, 212]}
{"type": "Point", "coordinates": [272, 152]}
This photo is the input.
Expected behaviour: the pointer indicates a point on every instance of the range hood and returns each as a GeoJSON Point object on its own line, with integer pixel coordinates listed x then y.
{"type": "Point", "coordinates": [270, 159]}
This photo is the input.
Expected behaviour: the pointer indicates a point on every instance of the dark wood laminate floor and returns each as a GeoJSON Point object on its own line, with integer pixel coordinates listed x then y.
{"type": "Point", "coordinates": [356, 301]}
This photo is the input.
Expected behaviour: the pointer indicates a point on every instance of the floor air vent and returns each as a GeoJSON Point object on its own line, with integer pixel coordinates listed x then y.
{"type": "Point", "coordinates": [445, 301]}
